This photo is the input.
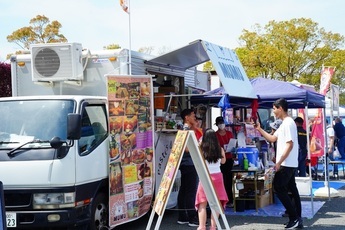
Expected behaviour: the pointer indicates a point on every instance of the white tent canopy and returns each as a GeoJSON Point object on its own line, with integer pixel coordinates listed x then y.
{"type": "Point", "coordinates": [341, 113]}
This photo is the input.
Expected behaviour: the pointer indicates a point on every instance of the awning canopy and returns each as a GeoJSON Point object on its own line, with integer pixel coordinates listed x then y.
{"type": "Point", "coordinates": [268, 91]}
{"type": "Point", "coordinates": [182, 58]}
{"type": "Point", "coordinates": [224, 60]}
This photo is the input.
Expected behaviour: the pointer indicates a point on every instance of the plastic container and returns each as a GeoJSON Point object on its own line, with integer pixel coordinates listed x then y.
{"type": "Point", "coordinates": [245, 163]}
{"type": "Point", "coordinates": [252, 155]}
{"type": "Point", "coordinates": [303, 185]}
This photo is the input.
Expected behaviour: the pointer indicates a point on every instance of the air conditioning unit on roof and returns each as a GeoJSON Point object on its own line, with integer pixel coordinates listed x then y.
{"type": "Point", "coordinates": [57, 62]}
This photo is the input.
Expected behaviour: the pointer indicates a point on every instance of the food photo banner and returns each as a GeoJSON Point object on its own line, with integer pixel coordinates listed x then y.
{"type": "Point", "coordinates": [131, 163]}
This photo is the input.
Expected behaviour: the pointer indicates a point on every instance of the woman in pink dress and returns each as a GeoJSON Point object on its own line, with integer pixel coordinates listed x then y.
{"type": "Point", "coordinates": [214, 156]}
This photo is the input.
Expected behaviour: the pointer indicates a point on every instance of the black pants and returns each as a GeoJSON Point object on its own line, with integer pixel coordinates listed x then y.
{"type": "Point", "coordinates": [227, 177]}
{"type": "Point", "coordinates": [187, 193]}
{"type": "Point", "coordinates": [283, 182]}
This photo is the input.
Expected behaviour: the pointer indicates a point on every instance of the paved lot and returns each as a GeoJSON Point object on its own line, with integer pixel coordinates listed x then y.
{"type": "Point", "coordinates": [330, 216]}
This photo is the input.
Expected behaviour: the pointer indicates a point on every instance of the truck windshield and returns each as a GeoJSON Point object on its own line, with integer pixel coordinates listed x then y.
{"type": "Point", "coordinates": [23, 121]}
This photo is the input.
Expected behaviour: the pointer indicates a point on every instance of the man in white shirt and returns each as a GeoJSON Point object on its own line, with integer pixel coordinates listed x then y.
{"type": "Point", "coordinates": [286, 162]}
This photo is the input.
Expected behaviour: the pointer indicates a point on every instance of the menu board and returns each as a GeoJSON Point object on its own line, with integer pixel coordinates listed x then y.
{"type": "Point", "coordinates": [170, 171]}
{"type": "Point", "coordinates": [131, 148]}
{"type": "Point", "coordinates": [185, 139]}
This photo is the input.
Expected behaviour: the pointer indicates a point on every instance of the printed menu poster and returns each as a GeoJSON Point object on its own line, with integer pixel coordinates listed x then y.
{"type": "Point", "coordinates": [131, 179]}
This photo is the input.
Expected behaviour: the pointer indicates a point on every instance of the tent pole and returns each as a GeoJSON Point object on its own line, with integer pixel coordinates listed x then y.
{"type": "Point", "coordinates": [308, 144]}
{"type": "Point", "coordinates": [321, 192]}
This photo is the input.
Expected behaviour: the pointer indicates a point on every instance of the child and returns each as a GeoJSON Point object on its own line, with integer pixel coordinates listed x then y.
{"type": "Point", "coordinates": [214, 156]}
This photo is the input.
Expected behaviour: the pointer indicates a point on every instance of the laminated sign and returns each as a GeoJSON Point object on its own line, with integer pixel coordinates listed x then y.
{"type": "Point", "coordinates": [185, 139]}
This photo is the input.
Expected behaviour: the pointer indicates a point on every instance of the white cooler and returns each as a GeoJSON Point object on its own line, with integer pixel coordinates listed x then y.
{"type": "Point", "coordinates": [303, 185]}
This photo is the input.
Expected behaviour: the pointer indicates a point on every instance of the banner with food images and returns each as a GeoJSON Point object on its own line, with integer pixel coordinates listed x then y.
{"type": "Point", "coordinates": [131, 159]}
{"type": "Point", "coordinates": [317, 142]}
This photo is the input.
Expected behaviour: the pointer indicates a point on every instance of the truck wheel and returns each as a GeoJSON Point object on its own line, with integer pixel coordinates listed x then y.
{"type": "Point", "coordinates": [99, 213]}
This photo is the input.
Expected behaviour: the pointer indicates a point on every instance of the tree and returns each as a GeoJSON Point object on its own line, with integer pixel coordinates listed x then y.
{"type": "Point", "coordinates": [5, 80]}
{"type": "Point", "coordinates": [146, 49]}
{"type": "Point", "coordinates": [290, 50]}
{"type": "Point", "coordinates": [41, 30]}
{"type": "Point", "coordinates": [208, 66]}
{"type": "Point", "coordinates": [112, 47]}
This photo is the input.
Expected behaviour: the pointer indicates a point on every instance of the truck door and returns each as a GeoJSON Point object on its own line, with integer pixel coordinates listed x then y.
{"type": "Point", "coordinates": [92, 148]}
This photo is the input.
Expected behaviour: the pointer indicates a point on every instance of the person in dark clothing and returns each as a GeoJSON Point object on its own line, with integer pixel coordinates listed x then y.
{"type": "Point", "coordinates": [302, 150]}
{"type": "Point", "coordinates": [224, 137]}
{"type": "Point", "coordinates": [339, 130]}
{"type": "Point", "coordinates": [189, 177]}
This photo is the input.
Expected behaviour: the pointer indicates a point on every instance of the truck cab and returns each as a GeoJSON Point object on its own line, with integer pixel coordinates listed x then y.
{"type": "Point", "coordinates": [52, 162]}
{"type": "Point", "coordinates": [54, 137]}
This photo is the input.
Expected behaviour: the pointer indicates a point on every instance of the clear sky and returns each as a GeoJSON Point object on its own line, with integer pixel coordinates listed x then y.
{"type": "Point", "coordinates": [162, 23]}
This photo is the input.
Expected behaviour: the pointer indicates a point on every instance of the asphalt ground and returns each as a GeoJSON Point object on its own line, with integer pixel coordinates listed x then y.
{"type": "Point", "coordinates": [330, 216]}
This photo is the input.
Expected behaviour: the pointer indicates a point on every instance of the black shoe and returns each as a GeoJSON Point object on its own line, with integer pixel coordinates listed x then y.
{"type": "Point", "coordinates": [182, 221]}
{"type": "Point", "coordinates": [193, 223]}
{"type": "Point", "coordinates": [300, 226]}
{"type": "Point", "coordinates": [300, 223]}
{"type": "Point", "coordinates": [292, 224]}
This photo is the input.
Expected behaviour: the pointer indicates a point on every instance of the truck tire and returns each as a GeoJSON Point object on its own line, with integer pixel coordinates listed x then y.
{"type": "Point", "coordinates": [99, 213]}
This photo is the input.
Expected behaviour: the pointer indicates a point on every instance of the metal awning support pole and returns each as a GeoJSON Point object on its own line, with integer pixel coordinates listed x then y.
{"type": "Point", "coordinates": [309, 158]}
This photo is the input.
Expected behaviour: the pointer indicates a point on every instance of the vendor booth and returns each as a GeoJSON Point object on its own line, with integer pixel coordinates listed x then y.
{"type": "Point", "coordinates": [238, 91]}
{"type": "Point", "coordinates": [268, 91]}
{"type": "Point", "coordinates": [169, 101]}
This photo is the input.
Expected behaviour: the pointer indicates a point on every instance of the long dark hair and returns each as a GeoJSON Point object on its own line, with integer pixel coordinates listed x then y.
{"type": "Point", "coordinates": [210, 146]}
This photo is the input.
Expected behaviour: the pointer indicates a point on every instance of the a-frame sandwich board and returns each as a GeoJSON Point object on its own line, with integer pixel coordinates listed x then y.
{"type": "Point", "coordinates": [185, 139]}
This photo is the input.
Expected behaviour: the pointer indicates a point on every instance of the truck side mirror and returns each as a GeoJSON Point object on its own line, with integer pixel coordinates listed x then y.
{"type": "Point", "coordinates": [73, 126]}
{"type": "Point", "coordinates": [56, 142]}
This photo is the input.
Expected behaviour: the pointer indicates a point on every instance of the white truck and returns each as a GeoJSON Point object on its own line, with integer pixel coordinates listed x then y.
{"type": "Point", "coordinates": [55, 138]}
{"type": "Point", "coordinates": [61, 162]}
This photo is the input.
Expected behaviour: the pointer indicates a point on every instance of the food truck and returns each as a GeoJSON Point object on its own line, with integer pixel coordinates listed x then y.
{"type": "Point", "coordinates": [77, 137]}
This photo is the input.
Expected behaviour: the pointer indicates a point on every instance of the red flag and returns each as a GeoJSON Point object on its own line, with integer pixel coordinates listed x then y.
{"type": "Point", "coordinates": [317, 142]}
{"type": "Point", "coordinates": [255, 106]}
{"type": "Point", "coordinates": [124, 5]}
{"type": "Point", "coordinates": [317, 139]}
{"type": "Point", "coordinates": [326, 76]}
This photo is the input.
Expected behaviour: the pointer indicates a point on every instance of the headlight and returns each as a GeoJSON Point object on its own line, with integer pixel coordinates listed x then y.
{"type": "Point", "coordinates": [54, 200]}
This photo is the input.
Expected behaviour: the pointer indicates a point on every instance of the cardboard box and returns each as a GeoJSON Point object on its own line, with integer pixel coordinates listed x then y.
{"type": "Point", "coordinates": [265, 200]}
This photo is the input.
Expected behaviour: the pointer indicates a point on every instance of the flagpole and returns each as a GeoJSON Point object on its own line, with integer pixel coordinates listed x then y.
{"type": "Point", "coordinates": [130, 39]}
